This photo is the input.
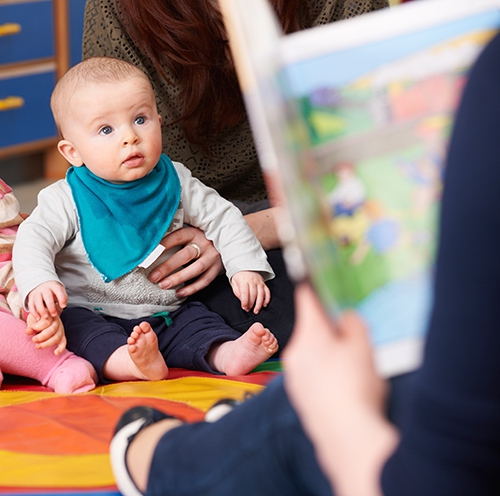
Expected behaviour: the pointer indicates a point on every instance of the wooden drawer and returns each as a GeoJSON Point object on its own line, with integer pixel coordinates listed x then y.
{"type": "Point", "coordinates": [26, 31]}
{"type": "Point", "coordinates": [32, 120]}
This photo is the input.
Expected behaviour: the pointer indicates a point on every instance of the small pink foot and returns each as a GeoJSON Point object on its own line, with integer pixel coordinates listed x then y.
{"type": "Point", "coordinates": [73, 375]}
{"type": "Point", "coordinates": [144, 352]}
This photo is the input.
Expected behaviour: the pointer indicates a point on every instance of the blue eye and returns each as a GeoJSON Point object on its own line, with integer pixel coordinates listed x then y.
{"type": "Point", "coordinates": [140, 120]}
{"type": "Point", "coordinates": [106, 130]}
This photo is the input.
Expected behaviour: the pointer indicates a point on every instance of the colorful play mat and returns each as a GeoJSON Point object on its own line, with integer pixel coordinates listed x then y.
{"type": "Point", "coordinates": [54, 444]}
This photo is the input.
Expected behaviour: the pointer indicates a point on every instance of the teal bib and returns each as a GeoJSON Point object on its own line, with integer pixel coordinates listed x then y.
{"type": "Point", "coordinates": [121, 224]}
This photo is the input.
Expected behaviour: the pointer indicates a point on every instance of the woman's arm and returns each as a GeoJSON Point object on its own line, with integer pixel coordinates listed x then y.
{"type": "Point", "coordinates": [264, 224]}
{"type": "Point", "coordinates": [343, 412]}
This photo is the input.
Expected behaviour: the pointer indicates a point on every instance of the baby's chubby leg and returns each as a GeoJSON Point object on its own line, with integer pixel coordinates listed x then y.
{"type": "Point", "coordinates": [242, 355]}
{"type": "Point", "coordinates": [65, 373]}
{"type": "Point", "coordinates": [139, 359]}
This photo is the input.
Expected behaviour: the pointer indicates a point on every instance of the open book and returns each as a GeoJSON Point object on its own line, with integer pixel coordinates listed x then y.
{"type": "Point", "coordinates": [351, 122]}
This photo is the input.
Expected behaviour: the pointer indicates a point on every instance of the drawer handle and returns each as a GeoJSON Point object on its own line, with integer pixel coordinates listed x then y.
{"type": "Point", "coordinates": [10, 28]}
{"type": "Point", "coordinates": [11, 102]}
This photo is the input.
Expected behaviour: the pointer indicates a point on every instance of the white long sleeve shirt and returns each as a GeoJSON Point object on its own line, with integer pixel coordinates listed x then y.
{"type": "Point", "coordinates": [49, 247]}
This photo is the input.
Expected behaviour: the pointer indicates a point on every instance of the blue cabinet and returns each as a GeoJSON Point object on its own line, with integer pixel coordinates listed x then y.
{"type": "Point", "coordinates": [39, 40]}
{"type": "Point", "coordinates": [31, 119]}
{"type": "Point", "coordinates": [76, 11]}
{"type": "Point", "coordinates": [26, 31]}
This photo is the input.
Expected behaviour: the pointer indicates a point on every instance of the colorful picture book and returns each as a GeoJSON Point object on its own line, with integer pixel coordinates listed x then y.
{"type": "Point", "coordinates": [352, 122]}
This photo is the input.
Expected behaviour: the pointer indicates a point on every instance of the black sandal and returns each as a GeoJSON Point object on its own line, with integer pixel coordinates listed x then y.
{"type": "Point", "coordinates": [223, 407]}
{"type": "Point", "coordinates": [130, 424]}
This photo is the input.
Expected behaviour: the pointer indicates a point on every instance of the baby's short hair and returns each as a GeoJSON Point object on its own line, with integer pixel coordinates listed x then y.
{"type": "Point", "coordinates": [90, 71]}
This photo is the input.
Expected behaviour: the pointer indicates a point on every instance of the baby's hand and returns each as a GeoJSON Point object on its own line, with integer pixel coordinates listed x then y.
{"type": "Point", "coordinates": [251, 290]}
{"type": "Point", "coordinates": [47, 300]}
{"type": "Point", "coordinates": [48, 331]}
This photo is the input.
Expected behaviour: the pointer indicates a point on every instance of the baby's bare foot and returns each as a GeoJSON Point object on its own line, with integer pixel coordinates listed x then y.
{"type": "Point", "coordinates": [242, 355]}
{"type": "Point", "coordinates": [143, 350]}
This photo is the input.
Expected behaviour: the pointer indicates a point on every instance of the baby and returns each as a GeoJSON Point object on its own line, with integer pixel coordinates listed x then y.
{"type": "Point", "coordinates": [60, 370]}
{"type": "Point", "coordinates": [90, 244]}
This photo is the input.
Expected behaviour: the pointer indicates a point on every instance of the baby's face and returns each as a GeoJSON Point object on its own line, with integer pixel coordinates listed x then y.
{"type": "Point", "coordinates": [116, 129]}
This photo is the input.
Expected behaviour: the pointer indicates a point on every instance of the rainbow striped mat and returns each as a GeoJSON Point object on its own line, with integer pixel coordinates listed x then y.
{"type": "Point", "coordinates": [55, 444]}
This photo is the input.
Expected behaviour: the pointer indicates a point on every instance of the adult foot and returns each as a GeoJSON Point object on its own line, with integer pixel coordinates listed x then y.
{"type": "Point", "coordinates": [143, 350]}
{"type": "Point", "coordinates": [242, 355]}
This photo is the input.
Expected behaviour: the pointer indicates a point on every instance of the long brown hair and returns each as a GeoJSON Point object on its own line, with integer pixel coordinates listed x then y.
{"type": "Point", "coordinates": [189, 38]}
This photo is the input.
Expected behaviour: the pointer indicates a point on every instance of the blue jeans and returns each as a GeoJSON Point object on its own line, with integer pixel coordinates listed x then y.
{"type": "Point", "coordinates": [259, 449]}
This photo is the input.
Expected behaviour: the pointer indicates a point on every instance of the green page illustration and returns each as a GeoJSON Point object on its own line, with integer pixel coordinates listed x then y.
{"type": "Point", "coordinates": [357, 116]}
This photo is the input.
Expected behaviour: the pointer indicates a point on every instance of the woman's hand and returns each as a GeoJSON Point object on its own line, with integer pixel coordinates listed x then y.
{"type": "Point", "coordinates": [332, 383]}
{"type": "Point", "coordinates": [203, 268]}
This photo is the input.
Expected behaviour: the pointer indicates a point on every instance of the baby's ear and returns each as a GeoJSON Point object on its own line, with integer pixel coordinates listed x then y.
{"type": "Point", "coordinates": [69, 152]}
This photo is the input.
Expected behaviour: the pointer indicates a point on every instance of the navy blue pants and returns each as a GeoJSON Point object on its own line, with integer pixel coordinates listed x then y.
{"type": "Point", "coordinates": [258, 449]}
{"type": "Point", "coordinates": [450, 427]}
{"type": "Point", "coordinates": [184, 343]}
